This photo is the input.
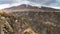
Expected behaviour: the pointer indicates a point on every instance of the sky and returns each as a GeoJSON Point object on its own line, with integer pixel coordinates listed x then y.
{"type": "Point", "coordinates": [48, 3]}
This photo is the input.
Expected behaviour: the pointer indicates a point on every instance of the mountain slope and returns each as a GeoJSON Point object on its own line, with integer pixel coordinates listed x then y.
{"type": "Point", "coordinates": [31, 22]}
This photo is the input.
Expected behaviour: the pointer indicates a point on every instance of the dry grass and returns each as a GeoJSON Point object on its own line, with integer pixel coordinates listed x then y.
{"type": "Point", "coordinates": [29, 22]}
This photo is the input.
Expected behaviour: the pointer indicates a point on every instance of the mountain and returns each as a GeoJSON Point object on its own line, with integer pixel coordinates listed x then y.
{"type": "Point", "coordinates": [25, 7]}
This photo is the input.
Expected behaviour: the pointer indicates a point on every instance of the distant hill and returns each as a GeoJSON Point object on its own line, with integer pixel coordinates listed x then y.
{"type": "Point", "coordinates": [25, 7]}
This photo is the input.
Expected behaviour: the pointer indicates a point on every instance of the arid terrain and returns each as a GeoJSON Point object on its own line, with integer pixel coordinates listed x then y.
{"type": "Point", "coordinates": [29, 20]}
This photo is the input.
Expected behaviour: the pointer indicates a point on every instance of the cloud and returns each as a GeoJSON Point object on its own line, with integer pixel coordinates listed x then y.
{"type": "Point", "coordinates": [45, 2]}
{"type": "Point", "coordinates": [10, 1]}
{"type": "Point", "coordinates": [6, 1]}
{"type": "Point", "coordinates": [48, 3]}
{"type": "Point", "coordinates": [4, 6]}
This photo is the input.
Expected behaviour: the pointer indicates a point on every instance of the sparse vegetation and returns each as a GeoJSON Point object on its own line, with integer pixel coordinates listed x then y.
{"type": "Point", "coordinates": [31, 22]}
